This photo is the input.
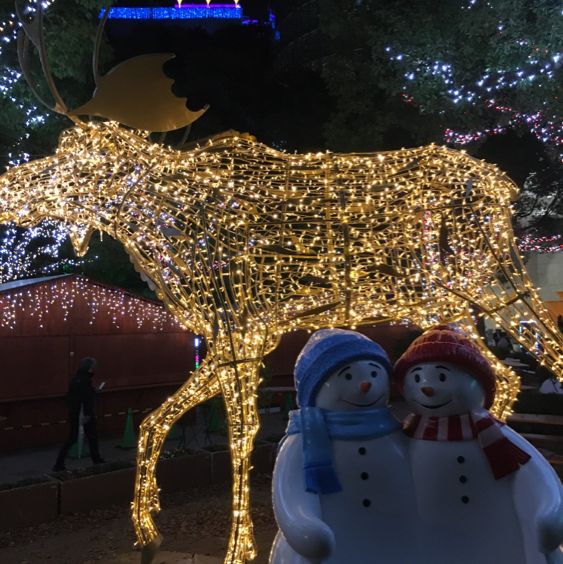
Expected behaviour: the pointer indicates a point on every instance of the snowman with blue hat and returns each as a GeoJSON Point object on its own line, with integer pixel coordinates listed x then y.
{"type": "Point", "coordinates": [342, 487]}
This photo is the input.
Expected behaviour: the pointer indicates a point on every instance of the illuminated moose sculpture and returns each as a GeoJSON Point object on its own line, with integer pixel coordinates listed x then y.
{"type": "Point", "coordinates": [244, 243]}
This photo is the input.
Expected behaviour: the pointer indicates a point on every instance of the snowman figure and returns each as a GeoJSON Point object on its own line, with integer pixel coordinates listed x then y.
{"type": "Point", "coordinates": [484, 495]}
{"type": "Point", "coordinates": [342, 489]}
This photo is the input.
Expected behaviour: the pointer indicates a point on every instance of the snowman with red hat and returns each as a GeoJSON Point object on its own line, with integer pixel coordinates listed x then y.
{"type": "Point", "coordinates": [484, 495]}
{"type": "Point", "coordinates": [342, 488]}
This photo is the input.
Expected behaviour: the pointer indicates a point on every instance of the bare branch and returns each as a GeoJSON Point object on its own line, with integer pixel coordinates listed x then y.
{"type": "Point", "coordinates": [30, 27]}
{"type": "Point", "coordinates": [184, 137]}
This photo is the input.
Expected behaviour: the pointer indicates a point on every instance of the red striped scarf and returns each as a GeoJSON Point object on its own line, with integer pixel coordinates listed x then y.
{"type": "Point", "coordinates": [503, 455]}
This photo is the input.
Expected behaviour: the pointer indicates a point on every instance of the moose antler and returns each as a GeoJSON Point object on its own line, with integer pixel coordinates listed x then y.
{"type": "Point", "coordinates": [33, 30]}
{"type": "Point", "coordinates": [117, 95]}
{"type": "Point", "coordinates": [137, 93]}
{"type": "Point", "coordinates": [97, 45]}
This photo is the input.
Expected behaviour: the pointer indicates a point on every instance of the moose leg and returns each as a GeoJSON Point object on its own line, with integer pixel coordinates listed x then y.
{"type": "Point", "coordinates": [538, 334]}
{"type": "Point", "coordinates": [239, 394]}
{"type": "Point", "coordinates": [524, 316]}
{"type": "Point", "coordinates": [201, 386]}
{"type": "Point", "coordinates": [507, 381]}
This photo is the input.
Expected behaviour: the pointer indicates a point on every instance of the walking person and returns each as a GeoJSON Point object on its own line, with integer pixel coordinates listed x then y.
{"type": "Point", "coordinates": [81, 396]}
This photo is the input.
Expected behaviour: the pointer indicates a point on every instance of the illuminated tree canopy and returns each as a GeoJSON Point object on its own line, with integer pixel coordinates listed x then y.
{"type": "Point", "coordinates": [476, 67]}
{"type": "Point", "coordinates": [28, 129]}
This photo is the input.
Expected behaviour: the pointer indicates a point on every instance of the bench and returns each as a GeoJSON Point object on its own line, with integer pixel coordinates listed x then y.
{"type": "Point", "coordinates": [542, 430]}
{"type": "Point", "coordinates": [536, 418]}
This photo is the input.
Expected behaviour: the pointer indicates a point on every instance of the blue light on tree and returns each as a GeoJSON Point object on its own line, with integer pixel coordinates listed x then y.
{"type": "Point", "coordinates": [185, 12]}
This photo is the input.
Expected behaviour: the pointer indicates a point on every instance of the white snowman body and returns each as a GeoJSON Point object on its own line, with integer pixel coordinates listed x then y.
{"type": "Point", "coordinates": [466, 515]}
{"type": "Point", "coordinates": [371, 519]}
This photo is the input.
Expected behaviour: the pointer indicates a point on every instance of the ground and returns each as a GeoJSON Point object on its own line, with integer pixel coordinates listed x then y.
{"type": "Point", "coordinates": [194, 522]}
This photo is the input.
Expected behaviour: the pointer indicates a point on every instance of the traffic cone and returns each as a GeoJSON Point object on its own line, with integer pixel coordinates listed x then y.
{"type": "Point", "coordinates": [79, 449]}
{"type": "Point", "coordinates": [129, 439]}
{"type": "Point", "coordinates": [216, 421]}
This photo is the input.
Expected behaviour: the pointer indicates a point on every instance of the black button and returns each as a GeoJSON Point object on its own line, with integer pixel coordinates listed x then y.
{"type": "Point", "coordinates": [366, 503]}
{"type": "Point", "coordinates": [460, 459]}
{"type": "Point", "coordinates": [362, 450]}
{"type": "Point", "coordinates": [364, 475]}
{"type": "Point", "coordinates": [465, 499]}
{"type": "Point", "coordinates": [463, 479]}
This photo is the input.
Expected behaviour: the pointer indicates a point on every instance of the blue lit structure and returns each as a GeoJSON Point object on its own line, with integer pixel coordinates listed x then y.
{"type": "Point", "coordinates": [186, 12]}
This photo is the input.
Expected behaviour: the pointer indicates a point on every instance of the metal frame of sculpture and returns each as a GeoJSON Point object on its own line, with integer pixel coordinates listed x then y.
{"type": "Point", "coordinates": [244, 243]}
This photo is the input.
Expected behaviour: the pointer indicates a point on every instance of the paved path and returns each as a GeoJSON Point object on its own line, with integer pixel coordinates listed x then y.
{"type": "Point", "coordinates": [195, 522]}
{"type": "Point", "coordinates": [27, 464]}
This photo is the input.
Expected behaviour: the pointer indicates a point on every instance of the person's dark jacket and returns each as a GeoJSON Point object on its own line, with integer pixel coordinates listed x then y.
{"type": "Point", "coordinates": [81, 392]}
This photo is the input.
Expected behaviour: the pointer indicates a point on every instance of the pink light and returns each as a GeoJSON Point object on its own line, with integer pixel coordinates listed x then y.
{"type": "Point", "coordinates": [179, 4]}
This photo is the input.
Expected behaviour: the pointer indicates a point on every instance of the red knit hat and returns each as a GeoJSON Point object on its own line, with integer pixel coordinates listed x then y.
{"type": "Point", "coordinates": [448, 345]}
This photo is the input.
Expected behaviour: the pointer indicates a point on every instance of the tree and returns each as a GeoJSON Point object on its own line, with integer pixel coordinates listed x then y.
{"type": "Point", "coordinates": [29, 131]}
{"type": "Point", "coordinates": [27, 127]}
{"type": "Point", "coordinates": [477, 66]}
{"type": "Point", "coordinates": [39, 250]}
{"type": "Point", "coordinates": [480, 74]}
{"type": "Point", "coordinates": [540, 206]}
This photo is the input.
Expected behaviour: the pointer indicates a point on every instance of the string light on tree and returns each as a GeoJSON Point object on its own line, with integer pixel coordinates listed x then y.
{"type": "Point", "coordinates": [18, 250]}
{"type": "Point", "coordinates": [23, 253]}
{"type": "Point", "coordinates": [547, 130]}
{"type": "Point", "coordinates": [538, 244]}
{"type": "Point", "coordinates": [485, 85]}
{"type": "Point", "coordinates": [521, 63]}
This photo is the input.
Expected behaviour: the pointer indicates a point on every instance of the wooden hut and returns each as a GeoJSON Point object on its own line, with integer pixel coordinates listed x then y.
{"type": "Point", "coordinates": [48, 324]}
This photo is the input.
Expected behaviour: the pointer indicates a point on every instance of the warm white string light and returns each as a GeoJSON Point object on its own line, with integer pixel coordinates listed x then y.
{"type": "Point", "coordinates": [244, 243]}
{"type": "Point", "coordinates": [60, 297]}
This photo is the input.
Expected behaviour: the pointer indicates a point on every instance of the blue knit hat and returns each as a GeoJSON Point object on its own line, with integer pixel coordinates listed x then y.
{"type": "Point", "coordinates": [326, 351]}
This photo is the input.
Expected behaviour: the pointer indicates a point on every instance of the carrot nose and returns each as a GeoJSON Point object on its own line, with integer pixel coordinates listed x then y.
{"type": "Point", "coordinates": [365, 387]}
{"type": "Point", "coordinates": [427, 391]}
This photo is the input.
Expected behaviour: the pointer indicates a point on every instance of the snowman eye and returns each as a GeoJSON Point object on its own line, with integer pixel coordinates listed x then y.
{"type": "Point", "coordinates": [348, 376]}
{"type": "Point", "coordinates": [442, 377]}
{"type": "Point", "coordinates": [417, 378]}
{"type": "Point", "coordinates": [373, 374]}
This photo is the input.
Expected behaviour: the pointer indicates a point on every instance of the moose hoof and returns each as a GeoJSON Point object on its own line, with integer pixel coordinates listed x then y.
{"type": "Point", "coordinates": [149, 551]}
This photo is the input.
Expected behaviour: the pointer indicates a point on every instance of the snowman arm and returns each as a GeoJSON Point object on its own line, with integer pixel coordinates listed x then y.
{"type": "Point", "coordinates": [548, 493]}
{"type": "Point", "coordinates": [298, 512]}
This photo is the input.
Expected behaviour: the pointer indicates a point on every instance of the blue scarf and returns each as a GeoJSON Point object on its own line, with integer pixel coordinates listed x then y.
{"type": "Point", "coordinates": [320, 426]}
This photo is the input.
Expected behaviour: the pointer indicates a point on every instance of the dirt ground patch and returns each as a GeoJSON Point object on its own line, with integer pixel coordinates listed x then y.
{"type": "Point", "coordinates": [195, 522]}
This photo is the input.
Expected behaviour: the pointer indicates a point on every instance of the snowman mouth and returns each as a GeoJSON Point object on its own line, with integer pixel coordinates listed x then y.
{"type": "Point", "coordinates": [361, 404]}
{"type": "Point", "coordinates": [434, 406]}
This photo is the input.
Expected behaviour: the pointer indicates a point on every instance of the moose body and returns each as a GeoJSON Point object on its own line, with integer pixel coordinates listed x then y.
{"type": "Point", "coordinates": [244, 243]}
{"type": "Point", "coordinates": [367, 237]}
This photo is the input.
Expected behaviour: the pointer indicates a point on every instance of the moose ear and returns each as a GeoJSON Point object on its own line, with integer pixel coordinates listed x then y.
{"type": "Point", "coordinates": [80, 238]}
{"type": "Point", "coordinates": [138, 94]}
